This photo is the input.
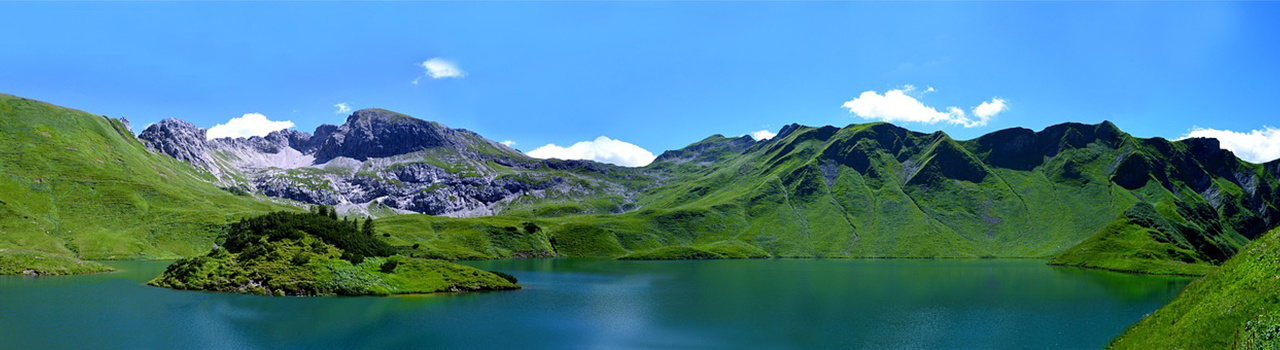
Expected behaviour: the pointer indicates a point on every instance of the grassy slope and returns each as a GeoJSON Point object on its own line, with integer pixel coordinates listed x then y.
{"type": "Point", "coordinates": [1126, 247]}
{"type": "Point", "coordinates": [79, 185]}
{"type": "Point", "coordinates": [876, 190]}
{"type": "Point", "coordinates": [28, 262]}
{"type": "Point", "coordinates": [718, 250]}
{"type": "Point", "coordinates": [1234, 305]}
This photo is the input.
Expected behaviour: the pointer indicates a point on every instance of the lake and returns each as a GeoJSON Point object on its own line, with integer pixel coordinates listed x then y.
{"type": "Point", "coordinates": [604, 304]}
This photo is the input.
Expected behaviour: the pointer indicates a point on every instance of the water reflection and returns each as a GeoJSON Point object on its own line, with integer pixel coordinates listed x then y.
{"type": "Point", "coordinates": [593, 304]}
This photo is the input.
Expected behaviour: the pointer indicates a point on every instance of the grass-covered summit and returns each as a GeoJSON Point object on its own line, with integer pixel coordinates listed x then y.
{"type": "Point", "coordinates": [307, 254]}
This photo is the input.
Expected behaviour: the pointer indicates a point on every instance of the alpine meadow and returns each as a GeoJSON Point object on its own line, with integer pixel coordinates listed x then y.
{"type": "Point", "coordinates": [423, 182]}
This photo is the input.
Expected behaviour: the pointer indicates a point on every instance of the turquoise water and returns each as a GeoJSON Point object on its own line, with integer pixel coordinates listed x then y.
{"type": "Point", "coordinates": [601, 304]}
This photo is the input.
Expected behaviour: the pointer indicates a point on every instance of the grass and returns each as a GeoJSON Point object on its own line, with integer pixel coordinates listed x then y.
{"type": "Point", "coordinates": [1125, 247]}
{"type": "Point", "coordinates": [34, 263]}
{"type": "Point", "coordinates": [80, 186]}
{"type": "Point", "coordinates": [1232, 307]}
{"type": "Point", "coordinates": [74, 184]}
{"type": "Point", "coordinates": [672, 253]}
{"type": "Point", "coordinates": [718, 250]}
{"type": "Point", "coordinates": [309, 255]}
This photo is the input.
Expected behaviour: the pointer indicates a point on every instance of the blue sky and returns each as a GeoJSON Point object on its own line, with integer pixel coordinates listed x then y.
{"type": "Point", "coordinates": [660, 75]}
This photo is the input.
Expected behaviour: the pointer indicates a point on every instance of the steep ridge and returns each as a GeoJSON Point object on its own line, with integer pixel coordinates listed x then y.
{"type": "Point", "coordinates": [1015, 192]}
{"type": "Point", "coordinates": [80, 185]}
{"type": "Point", "coordinates": [1198, 205]}
{"type": "Point", "coordinates": [383, 163]}
{"type": "Point", "coordinates": [878, 190]}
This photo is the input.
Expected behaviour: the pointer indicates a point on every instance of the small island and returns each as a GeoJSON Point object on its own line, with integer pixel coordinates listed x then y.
{"type": "Point", "coordinates": [316, 254]}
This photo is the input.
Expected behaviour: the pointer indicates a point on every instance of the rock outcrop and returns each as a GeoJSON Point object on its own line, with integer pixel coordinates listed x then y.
{"type": "Point", "coordinates": [379, 159]}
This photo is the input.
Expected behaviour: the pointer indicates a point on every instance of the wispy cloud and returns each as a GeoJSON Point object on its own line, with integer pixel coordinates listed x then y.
{"type": "Point", "coordinates": [898, 105]}
{"type": "Point", "coordinates": [602, 149]}
{"type": "Point", "coordinates": [508, 143]}
{"type": "Point", "coordinates": [250, 124]}
{"type": "Point", "coordinates": [341, 108]}
{"type": "Point", "coordinates": [1258, 146]}
{"type": "Point", "coordinates": [439, 68]}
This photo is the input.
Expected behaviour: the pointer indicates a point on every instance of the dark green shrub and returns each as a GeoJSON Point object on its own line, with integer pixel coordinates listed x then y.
{"type": "Point", "coordinates": [284, 225]}
{"type": "Point", "coordinates": [301, 259]}
{"type": "Point", "coordinates": [505, 276]}
{"type": "Point", "coordinates": [390, 265]}
{"type": "Point", "coordinates": [354, 258]}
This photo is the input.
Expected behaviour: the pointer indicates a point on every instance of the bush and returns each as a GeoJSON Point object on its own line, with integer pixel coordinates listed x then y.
{"type": "Point", "coordinates": [390, 265]}
{"type": "Point", "coordinates": [505, 276]}
{"type": "Point", "coordinates": [354, 258]}
{"type": "Point", "coordinates": [284, 225]}
{"type": "Point", "coordinates": [301, 259]}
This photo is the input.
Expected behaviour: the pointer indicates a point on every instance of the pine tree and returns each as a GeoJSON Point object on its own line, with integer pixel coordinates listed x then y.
{"type": "Point", "coordinates": [368, 226]}
{"type": "Point", "coordinates": [333, 213]}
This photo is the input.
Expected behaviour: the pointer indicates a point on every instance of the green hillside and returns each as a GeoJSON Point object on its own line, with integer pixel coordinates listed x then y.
{"type": "Point", "coordinates": [79, 185]}
{"type": "Point", "coordinates": [877, 190]}
{"type": "Point", "coordinates": [1234, 307]}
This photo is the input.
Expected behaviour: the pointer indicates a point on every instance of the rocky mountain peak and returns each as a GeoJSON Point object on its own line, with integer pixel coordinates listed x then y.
{"type": "Point", "coordinates": [179, 139]}
{"type": "Point", "coordinates": [379, 115]}
{"type": "Point", "coordinates": [372, 133]}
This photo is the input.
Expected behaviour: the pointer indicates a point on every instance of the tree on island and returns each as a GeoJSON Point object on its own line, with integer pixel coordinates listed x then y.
{"type": "Point", "coordinates": [368, 226]}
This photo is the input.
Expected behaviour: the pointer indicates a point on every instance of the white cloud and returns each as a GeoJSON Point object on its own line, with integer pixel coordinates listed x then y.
{"type": "Point", "coordinates": [439, 68]}
{"type": "Point", "coordinates": [250, 124]}
{"type": "Point", "coordinates": [990, 108]}
{"type": "Point", "coordinates": [762, 135]}
{"type": "Point", "coordinates": [602, 149]}
{"type": "Point", "coordinates": [1258, 146]}
{"type": "Point", "coordinates": [508, 143]}
{"type": "Point", "coordinates": [341, 108]}
{"type": "Point", "coordinates": [898, 105]}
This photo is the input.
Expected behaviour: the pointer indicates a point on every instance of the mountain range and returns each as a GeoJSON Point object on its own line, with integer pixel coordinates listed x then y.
{"type": "Point", "coordinates": [1085, 195]}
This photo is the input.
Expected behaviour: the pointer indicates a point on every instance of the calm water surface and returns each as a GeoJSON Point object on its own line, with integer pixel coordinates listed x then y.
{"type": "Point", "coordinates": [600, 304]}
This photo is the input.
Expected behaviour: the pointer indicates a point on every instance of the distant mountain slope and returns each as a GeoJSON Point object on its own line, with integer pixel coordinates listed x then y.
{"type": "Point", "coordinates": [1235, 307]}
{"type": "Point", "coordinates": [381, 163]}
{"type": "Point", "coordinates": [880, 190]}
{"type": "Point", "coordinates": [79, 184]}
{"type": "Point", "coordinates": [877, 190]}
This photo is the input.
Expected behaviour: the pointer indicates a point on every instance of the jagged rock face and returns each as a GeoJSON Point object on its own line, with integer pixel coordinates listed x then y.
{"type": "Point", "coordinates": [377, 157]}
{"type": "Point", "coordinates": [371, 133]}
{"type": "Point", "coordinates": [180, 140]}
